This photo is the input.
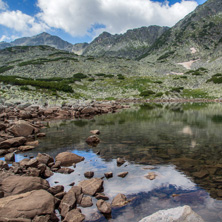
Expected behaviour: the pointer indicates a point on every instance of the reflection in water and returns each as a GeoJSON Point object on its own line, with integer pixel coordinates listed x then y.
{"type": "Point", "coordinates": [182, 140]}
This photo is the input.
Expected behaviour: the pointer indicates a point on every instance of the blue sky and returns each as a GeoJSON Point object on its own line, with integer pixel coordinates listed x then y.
{"type": "Point", "coordinates": [82, 20]}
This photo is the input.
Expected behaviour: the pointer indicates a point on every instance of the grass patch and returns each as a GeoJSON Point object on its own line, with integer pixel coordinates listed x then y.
{"type": "Point", "coordinates": [195, 93]}
{"type": "Point", "coordinates": [217, 78]}
{"type": "Point", "coordinates": [5, 68]}
{"type": "Point", "coordinates": [147, 93]}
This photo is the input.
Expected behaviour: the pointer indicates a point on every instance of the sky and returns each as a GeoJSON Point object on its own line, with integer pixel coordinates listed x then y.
{"type": "Point", "coordinates": [79, 21]}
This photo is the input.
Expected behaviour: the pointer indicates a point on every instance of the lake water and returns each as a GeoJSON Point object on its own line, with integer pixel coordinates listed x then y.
{"type": "Point", "coordinates": [180, 143]}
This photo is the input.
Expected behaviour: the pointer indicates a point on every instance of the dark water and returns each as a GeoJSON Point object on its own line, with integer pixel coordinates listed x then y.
{"type": "Point", "coordinates": [182, 141]}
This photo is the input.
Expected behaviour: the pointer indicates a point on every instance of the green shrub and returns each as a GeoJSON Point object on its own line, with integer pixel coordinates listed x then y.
{"type": "Point", "coordinates": [159, 94]}
{"type": "Point", "coordinates": [147, 93]}
{"type": "Point", "coordinates": [5, 68]}
{"type": "Point", "coordinates": [79, 76]}
{"type": "Point", "coordinates": [120, 76]}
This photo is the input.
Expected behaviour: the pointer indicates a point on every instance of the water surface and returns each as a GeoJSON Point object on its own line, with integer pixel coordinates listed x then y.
{"type": "Point", "coordinates": [181, 143]}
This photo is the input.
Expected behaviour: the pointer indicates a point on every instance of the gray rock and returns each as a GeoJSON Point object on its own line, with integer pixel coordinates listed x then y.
{"type": "Point", "coordinates": [103, 206]}
{"type": "Point", "coordinates": [91, 186]}
{"type": "Point", "coordinates": [178, 214]}
{"type": "Point", "coordinates": [86, 202]}
{"type": "Point", "coordinates": [119, 200]}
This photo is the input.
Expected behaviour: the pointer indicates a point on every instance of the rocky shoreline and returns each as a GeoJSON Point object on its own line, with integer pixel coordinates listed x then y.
{"type": "Point", "coordinates": [25, 194]}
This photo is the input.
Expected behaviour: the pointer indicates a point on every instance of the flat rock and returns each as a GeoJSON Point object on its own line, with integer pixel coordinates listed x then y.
{"type": "Point", "coordinates": [25, 148]}
{"type": "Point", "coordinates": [68, 158]}
{"type": "Point", "coordinates": [123, 174]}
{"type": "Point", "coordinates": [74, 216]}
{"type": "Point", "coordinates": [91, 186]}
{"type": "Point", "coordinates": [119, 200]}
{"type": "Point", "coordinates": [22, 128]}
{"type": "Point", "coordinates": [27, 205]}
{"type": "Point", "coordinates": [103, 206]}
{"type": "Point", "coordinates": [178, 214]}
{"type": "Point", "coordinates": [86, 202]}
{"type": "Point", "coordinates": [13, 142]}
{"type": "Point", "coordinates": [101, 196]}
{"type": "Point", "coordinates": [20, 184]}
{"type": "Point", "coordinates": [65, 170]}
{"type": "Point", "coordinates": [70, 200]}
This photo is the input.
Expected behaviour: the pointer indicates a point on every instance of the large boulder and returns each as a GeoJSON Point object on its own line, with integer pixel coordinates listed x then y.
{"type": "Point", "coordinates": [68, 158]}
{"type": "Point", "coordinates": [27, 205]}
{"type": "Point", "coordinates": [21, 184]}
{"type": "Point", "coordinates": [70, 200]}
{"type": "Point", "coordinates": [91, 186]}
{"type": "Point", "coordinates": [178, 214]}
{"type": "Point", "coordinates": [22, 128]}
{"type": "Point", "coordinates": [14, 142]}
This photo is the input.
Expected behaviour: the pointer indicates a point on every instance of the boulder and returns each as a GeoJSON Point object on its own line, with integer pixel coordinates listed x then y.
{"type": "Point", "coordinates": [68, 158]}
{"type": "Point", "coordinates": [123, 174]}
{"type": "Point", "coordinates": [20, 184]}
{"type": "Point", "coordinates": [32, 163]}
{"type": "Point", "coordinates": [74, 216]}
{"type": "Point", "coordinates": [22, 128]}
{"type": "Point", "coordinates": [93, 140]}
{"type": "Point", "coordinates": [108, 175]}
{"type": "Point", "coordinates": [119, 200]}
{"type": "Point", "coordinates": [56, 189]}
{"type": "Point", "coordinates": [13, 142]}
{"type": "Point", "coordinates": [10, 157]}
{"type": "Point", "coordinates": [70, 199]}
{"type": "Point", "coordinates": [95, 132]}
{"type": "Point", "coordinates": [178, 214]}
{"type": "Point", "coordinates": [89, 174]}
{"type": "Point", "coordinates": [44, 158]}
{"type": "Point", "coordinates": [91, 186]}
{"type": "Point", "coordinates": [103, 207]}
{"type": "Point", "coordinates": [27, 205]}
{"type": "Point", "coordinates": [86, 202]}
{"type": "Point", "coordinates": [25, 148]}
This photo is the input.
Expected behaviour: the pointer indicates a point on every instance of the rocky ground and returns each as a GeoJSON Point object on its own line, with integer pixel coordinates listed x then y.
{"type": "Point", "coordinates": [25, 194]}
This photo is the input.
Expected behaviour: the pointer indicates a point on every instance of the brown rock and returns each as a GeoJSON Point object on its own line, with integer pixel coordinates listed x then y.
{"type": "Point", "coordinates": [32, 163]}
{"type": "Point", "coordinates": [22, 128]}
{"type": "Point", "coordinates": [44, 158]}
{"type": "Point", "coordinates": [68, 158]}
{"type": "Point", "coordinates": [23, 162]}
{"type": "Point", "coordinates": [14, 142]}
{"type": "Point", "coordinates": [4, 219]}
{"type": "Point", "coordinates": [86, 202]}
{"type": "Point", "coordinates": [3, 165]}
{"type": "Point", "coordinates": [25, 148]}
{"type": "Point", "coordinates": [88, 111]}
{"type": "Point", "coordinates": [25, 115]}
{"type": "Point", "coordinates": [3, 152]}
{"type": "Point", "coordinates": [69, 200]}
{"type": "Point", "coordinates": [119, 200]}
{"type": "Point", "coordinates": [33, 172]}
{"type": "Point", "coordinates": [56, 189]}
{"type": "Point", "coordinates": [1, 194]}
{"type": "Point", "coordinates": [3, 126]}
{"type": "Point", "coordinates": [60, 195]}
{"type": "Point", "coordinates": [33, 143]}
{"type": "Point", "coordinates": [41, 135]}
{"type": "Point", "coordinates": [120, 161]}
{"type": "Point", "coordinates": [91, 186]}
{"type": "Point", "coordinates": [151, 176]}
{"type": "Point", "coordinates": [20, 184]}
{"type": "Point", "coordinates": [89, 174]}
{"type": "Point", "coordinates": [10, 157]}
{"type": "Point", "coordinates": [101, 196]}
{"type": "Point", "coordinates": [108, 175]}
{"type": "Point", "coordinates": [27, 205]}
{"type": "Point", "coordinates": [201, 174]}
{"type": "Point", "coordinates": [93, 140]}
{"type": "Point", "coordinates": [123, 174]}
{"type": "Point", "coordinates": [74, 216]}
{"type": "Point", "coordinates": [65, 170]}
{"type": "Point", "coordinates": [104, 207]}
{"type": "Point", "coordinates": [95, 132]}
{"type": "Point", "coordinates": [47, 173]}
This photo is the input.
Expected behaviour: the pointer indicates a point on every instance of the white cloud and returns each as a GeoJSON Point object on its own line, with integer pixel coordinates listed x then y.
{"type": "Point", "coordinates": [78, 16]}
{"type": "Point", "coordinates": [21, 22]}
{"type": "Point", "coordinates": [3, 5]}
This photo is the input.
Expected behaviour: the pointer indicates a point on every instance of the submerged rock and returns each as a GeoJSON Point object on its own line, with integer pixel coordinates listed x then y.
{"type": "Point", "coordinates": [178, 214]}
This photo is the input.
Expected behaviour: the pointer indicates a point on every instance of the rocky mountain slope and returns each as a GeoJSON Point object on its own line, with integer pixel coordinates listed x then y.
{"type": "Point", "coordinates": [41, 39]}
{"type": "Point", "coordinates": [196, 39]}
{"type": "Point", "coordinates": [128, 45]}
